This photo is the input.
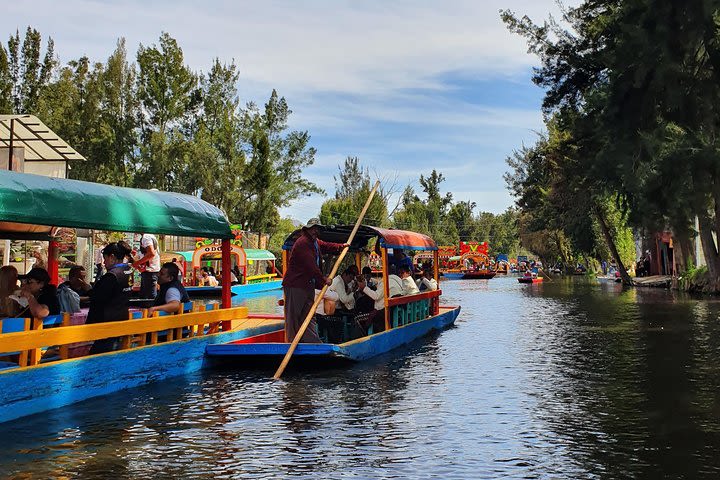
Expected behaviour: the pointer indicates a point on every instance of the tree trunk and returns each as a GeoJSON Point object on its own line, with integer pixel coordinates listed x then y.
{"type": "Point", "coordinates": [683, 252]}
{"type": "Point", "coordinates": [626, 280]}
{"type": "Point", "coordinates": [709, 249]}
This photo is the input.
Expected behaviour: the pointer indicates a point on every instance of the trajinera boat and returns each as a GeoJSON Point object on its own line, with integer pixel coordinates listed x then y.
{"type": "Point", "coordinates": [406, 318]}
{"type": "Point", "coordinates": [255, 265]}
{"type": "Point", "coordinates": [469, 268]}
{"type": "Point", "coordinates": [31, 380]}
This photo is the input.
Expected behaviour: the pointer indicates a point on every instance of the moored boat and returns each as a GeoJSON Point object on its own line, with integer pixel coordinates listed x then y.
{"type": "Point", "coordinates": [150, 349]}
{"type": "Point", "coordinates": [248, 261]}
{"type": "Point", "coordinates": [479, 275]}
{"type": "Point", "coordinates": [406, 318]}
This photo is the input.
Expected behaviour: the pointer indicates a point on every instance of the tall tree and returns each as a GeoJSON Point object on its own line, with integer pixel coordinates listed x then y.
{"type": "Point", "coordinates": [27, 72]}
{"type": "Point", "coordinates": [167, 90]}
{"type": "Point", "coordinates": [352, 189]}
{"type": "Point", "coordinates": [275, 161]}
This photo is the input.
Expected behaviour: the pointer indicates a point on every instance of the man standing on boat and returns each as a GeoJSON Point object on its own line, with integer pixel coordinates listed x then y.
{"type": "Point", "coordinates": [149, 265]}
{"type": "Point", "coordinates": [302, 277]}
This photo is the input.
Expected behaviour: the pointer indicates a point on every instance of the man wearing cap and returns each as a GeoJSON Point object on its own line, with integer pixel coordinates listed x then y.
{"type": "Point", "coordinates": [39, 293]}
{"type": "Point", "coordinates": [302, 277]}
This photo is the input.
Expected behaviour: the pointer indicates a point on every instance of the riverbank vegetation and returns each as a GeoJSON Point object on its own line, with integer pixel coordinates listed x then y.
{"type": "Point", "coordinates": [631, 99]}
{"type": "Point", "coordinates": [428, 210]}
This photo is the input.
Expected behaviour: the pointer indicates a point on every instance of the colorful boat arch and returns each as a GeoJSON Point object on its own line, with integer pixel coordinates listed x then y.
{"type": "Point", "coordinates": [216, 250]}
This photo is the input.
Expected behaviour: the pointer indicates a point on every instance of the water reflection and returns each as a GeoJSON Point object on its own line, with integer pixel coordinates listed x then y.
{"type": "Point", "coordinates": [567, 379]}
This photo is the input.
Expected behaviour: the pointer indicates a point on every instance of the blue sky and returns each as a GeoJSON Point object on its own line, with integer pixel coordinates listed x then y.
{"type": "Point", "coordinates": [407, 86]}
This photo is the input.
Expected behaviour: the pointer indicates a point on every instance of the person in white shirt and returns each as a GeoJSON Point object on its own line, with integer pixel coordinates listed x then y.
{"type": "Point", "coordinates": [395, 287]}
{"type": "Point", "coordinates": [409, 287]}
{"type": "Point", "coordinates": [329, 295]}
{"type": "Point", "coordinates": [209, 280]}
{"type": "Point", "coordinates": [149, 265]}
{"type": "Point", "coordinates": [344, 286]}
{"type": "Point", "coordinates": [426, 282]}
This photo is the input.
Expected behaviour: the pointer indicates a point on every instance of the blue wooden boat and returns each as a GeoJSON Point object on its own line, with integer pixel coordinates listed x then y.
{"type": "Point", "coordinates": [453, 275]}
{"type": "Point", "coordinates": [150, 349]}
{"type": "Point", "coordinates": [246, 289]}
{"type": "Point", "coordinates": [260, 349]}
{"type": "Point", "coordinates": [406, 318]}
{"type": "Point", "coordinates": [251, 262]}
{"type": "Point", "coordinates": [470, 275]}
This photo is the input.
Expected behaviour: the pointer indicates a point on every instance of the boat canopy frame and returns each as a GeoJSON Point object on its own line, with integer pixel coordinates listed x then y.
{"type": "Point", "coordinates": [386, 237]}
{"type": "Point", "coordinates": [34, 206]}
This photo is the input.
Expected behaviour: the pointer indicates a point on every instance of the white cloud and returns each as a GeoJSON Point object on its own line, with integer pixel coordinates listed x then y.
{"type": "Point", "coordinates": [364, 78]}
{"type": "Point", "coordinates": [369, 48]}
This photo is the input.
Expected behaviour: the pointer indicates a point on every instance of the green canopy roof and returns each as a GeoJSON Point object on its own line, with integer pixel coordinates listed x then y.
{"type": "Point", "coordinates": [33, 204]}
{"type": "Point", "coordinates": [258, 254]}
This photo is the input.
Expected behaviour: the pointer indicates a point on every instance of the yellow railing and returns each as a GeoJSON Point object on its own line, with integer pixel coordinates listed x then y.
{"type": "Point", "coordinates": [131, 332]}
{"type": "Point", "coordinates": [266, 277]}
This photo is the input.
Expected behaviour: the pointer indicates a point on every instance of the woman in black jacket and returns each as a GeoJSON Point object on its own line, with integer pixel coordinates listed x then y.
{"type": "Point", "coordinates": [110, 295]}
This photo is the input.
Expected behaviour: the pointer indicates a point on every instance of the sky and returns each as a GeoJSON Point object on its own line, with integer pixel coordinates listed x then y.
{"type": "Point", "coordinates": [406, 86]}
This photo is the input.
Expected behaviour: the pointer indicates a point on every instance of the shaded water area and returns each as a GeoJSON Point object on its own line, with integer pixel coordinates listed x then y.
{"type": "Point", "coordinates": [568, 379]}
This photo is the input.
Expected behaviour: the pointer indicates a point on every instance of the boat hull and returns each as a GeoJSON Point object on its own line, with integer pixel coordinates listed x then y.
{"type": "Point", "coordinates": [479, 275]}
{"type": "Point", "coordinates": [530, 280]}
{"type": "Point", "coordinates": [469, 275]}
{"type": "Point", "coordinates": [453, 275]}
{"type": "Point", "coordinates": [235, 289]}
{"type": "Point", "coordinates": [29, 390]}
{"type": "Point", "coordinates": [248, 354]}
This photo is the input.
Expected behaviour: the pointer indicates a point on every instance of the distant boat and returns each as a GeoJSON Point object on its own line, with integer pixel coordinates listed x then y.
{"type": "Point", "coordinates": [527, 279]}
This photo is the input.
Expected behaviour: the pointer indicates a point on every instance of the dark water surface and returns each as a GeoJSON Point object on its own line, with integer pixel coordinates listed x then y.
{"type": "Point", "coordinates": [569, 379]}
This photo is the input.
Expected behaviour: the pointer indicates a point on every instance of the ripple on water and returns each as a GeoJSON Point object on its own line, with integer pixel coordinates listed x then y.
{"type": "Point", "coordinates": [568, 379]}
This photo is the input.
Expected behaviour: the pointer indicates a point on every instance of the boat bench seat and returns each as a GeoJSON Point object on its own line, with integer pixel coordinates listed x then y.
{"type": "Point", "coordinates": [338, 328]}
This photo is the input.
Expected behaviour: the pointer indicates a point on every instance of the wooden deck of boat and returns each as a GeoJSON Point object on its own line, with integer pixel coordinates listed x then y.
{"type": "Point", "coordinates": [258, 320]}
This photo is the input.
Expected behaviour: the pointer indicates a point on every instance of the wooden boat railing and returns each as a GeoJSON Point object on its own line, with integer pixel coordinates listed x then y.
{"type": "Point", "coordinates": [132, 333]}
{"type": "Point", "coordinates": [412, 308]}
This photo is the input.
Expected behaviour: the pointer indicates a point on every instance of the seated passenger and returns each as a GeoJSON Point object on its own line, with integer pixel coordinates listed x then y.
{"type": "Point", "coordinates": [363, 303]}
{"type": "Point", "coordinates": [209, 280]}
{"type": "Point", "coordinates": [369, 280]}
{"type": "Point", "coordinates": [408, 284]}
{"type": "Point", "coordinates": [40, 294]}
{"type": "Point", "coordinates": [395, 287]}
{"type": "Point", "coordinates": [172, 294]}
{"type": "Point", "coordinates": [77, 283]}
{"type": "Point", "coordinates": [426, 282]}
{"type": "Point", "coordinates": [10, 302]}
{"type": "Point", "coordinates": [344, 286]}
{"type": "Point", "coordinates": [110, 296]}
{"type": "Point", "coordinates": [331, 295]}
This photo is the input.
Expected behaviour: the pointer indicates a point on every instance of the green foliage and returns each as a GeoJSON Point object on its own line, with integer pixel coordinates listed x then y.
{"type": "Point", "coordinates": [23, 74]}
{"type": "Point", "coordinates": [634, 86]}
{"type": "Point", "coordinates": [283, 229]}
{"type": "Point", "coordinates": [157, 124]}
{"type": "Point", "coordinates": [352, 189]}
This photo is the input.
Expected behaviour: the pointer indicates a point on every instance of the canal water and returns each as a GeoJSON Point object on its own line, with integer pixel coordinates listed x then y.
{"type": "Point", "coordinates": [568, 379]}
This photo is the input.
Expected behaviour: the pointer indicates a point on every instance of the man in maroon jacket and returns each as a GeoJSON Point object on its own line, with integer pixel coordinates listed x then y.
{"type": "Point", "coordinates": [302, 277]}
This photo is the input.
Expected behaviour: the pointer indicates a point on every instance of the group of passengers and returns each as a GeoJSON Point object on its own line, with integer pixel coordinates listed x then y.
{"type": "Point", "coordinates": [108, 298]}
{"type": "Point", "coordinates": [355, 295]}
